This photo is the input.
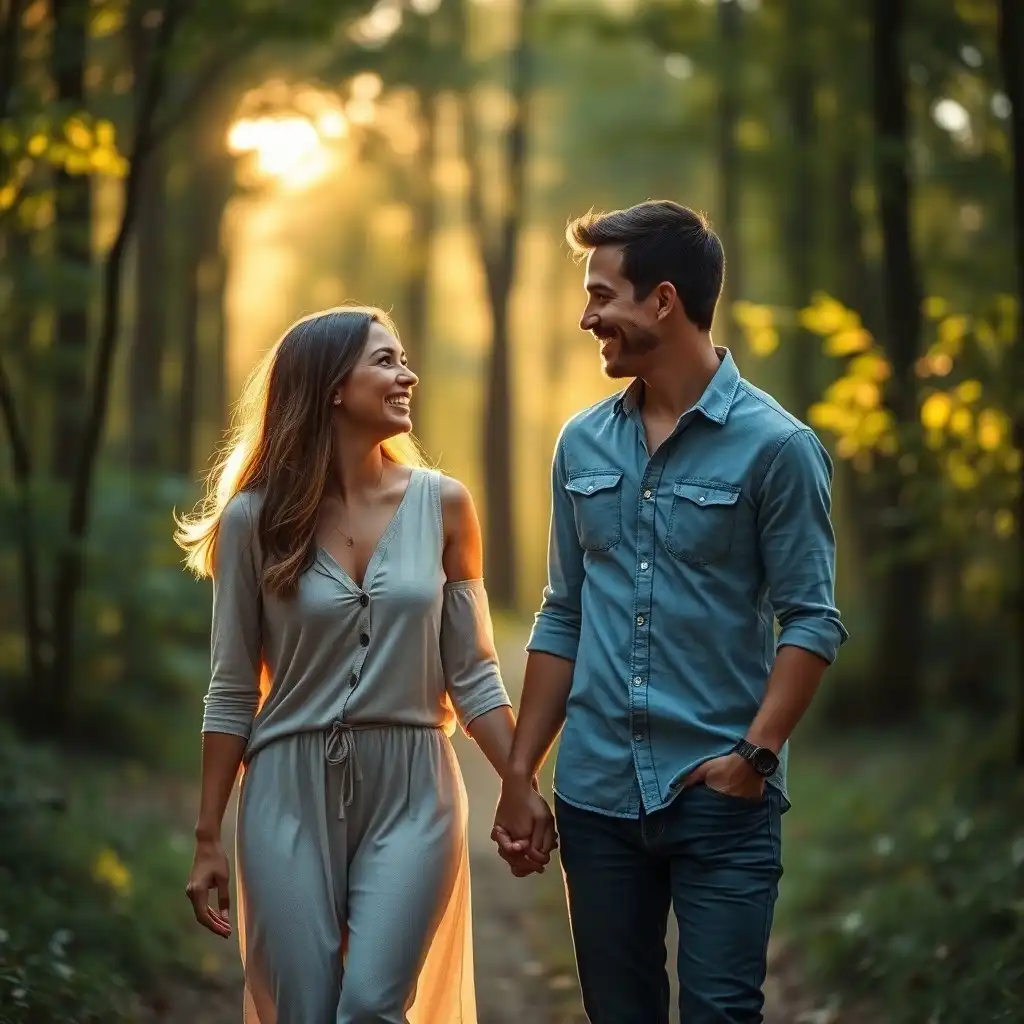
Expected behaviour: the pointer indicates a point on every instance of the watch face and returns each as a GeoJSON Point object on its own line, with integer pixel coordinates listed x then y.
{"type": "Point", "coordinates": [765, 761]}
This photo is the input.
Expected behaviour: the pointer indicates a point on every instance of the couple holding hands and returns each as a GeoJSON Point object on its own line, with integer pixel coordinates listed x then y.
{"type": "Point", "coordinates": [351, 635]}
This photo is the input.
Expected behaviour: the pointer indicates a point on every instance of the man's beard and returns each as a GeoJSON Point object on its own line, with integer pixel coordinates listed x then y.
{"type": "Point", "coordinates": [633, 341]}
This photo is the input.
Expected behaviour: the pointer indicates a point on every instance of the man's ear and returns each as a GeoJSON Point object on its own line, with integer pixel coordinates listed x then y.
{"type": "Point", "coordinates": [667, 299]}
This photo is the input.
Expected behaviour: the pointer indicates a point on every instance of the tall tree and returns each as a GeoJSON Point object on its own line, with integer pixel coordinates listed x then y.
{"type": "Point", "coordinates": [498, 243]}
{"type": "Point", "coordinates": [1011, 48]}
{"type": "Point", "coordinates": [72, 239]}
{"type": "Point", "coordinates": [896, 679]}
{"type": "Point", "coordinates": [730, 35]}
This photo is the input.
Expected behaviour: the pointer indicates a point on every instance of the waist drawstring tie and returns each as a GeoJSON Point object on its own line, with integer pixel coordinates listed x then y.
{"type": "Point", "coordinates": [341, 752]}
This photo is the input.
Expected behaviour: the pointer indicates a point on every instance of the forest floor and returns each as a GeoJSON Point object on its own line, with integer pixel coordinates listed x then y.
{"type": "Point", "coordinates": [524, 965]}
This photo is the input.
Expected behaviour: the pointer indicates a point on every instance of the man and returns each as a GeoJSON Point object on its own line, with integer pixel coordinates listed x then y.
{"type": "Point", "coordinates": [689, 512]}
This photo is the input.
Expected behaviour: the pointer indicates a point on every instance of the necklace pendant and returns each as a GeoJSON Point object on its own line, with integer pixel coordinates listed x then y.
{"type": "Point", "coordinates": [349, 541]}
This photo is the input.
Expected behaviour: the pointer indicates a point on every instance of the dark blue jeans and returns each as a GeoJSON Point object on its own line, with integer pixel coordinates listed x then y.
{"type": "Point", "coordinates": [717, 860]}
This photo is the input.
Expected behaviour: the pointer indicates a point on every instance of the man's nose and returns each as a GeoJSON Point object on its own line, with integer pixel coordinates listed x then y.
{"type": "Point", "coordinates": [589, 320]}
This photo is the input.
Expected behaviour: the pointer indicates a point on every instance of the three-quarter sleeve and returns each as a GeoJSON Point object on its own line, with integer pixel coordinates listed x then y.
{"type": "Point", "coordinates": [233, 696]}
{"type": "Point", "coordinates": [468, 656]}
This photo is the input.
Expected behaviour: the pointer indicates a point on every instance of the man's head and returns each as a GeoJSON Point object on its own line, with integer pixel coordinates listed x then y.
{"type": "Point", "coordinates": [654, 272]}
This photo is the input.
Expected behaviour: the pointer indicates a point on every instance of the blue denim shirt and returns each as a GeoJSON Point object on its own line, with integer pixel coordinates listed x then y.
{"type": "Point", "coordinates": [666, 575]}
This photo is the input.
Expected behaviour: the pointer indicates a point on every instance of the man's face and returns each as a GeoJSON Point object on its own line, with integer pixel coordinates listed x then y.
{"type": "Point", "coordinates": [625, 328]}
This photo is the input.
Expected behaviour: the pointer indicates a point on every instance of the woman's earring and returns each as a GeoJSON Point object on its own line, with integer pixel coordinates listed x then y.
{"type": "Point", "coordinates": [337, 400]}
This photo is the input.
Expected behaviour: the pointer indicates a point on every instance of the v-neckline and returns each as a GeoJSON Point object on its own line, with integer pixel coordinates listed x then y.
{"type": "Point", "coordinates": [373, 565]}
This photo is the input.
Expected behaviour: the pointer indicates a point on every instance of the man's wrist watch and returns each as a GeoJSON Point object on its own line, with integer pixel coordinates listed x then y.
{"type": "Point", "coordinates": [764, 761]}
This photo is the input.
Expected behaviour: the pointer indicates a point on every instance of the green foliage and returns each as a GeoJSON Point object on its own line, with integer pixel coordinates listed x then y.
{"type": "Point", "coordinates": [91, 913]}
{"type": "Point", "coordinates": [144, 625]}
{"type": "Point", "coordinates": [905, 877]}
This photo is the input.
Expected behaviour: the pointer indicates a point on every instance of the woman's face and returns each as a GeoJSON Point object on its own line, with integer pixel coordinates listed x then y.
{"type": "Point", "coordinates": [376, 394]}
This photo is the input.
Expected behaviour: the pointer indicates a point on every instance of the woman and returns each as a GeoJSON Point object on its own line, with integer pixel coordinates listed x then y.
{"type": "Point", "coordinates": [349, 577]}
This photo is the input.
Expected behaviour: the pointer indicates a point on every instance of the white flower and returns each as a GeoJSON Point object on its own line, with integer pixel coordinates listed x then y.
{"type": "Point", "coordinates": [66, 971]}
{"type": "Point", "coordinates": [884, 845]}
{"type": "Point", "coordinates": [964, 827]}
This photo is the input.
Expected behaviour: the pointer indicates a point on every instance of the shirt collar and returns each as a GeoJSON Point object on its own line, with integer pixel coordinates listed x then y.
{"type": "Point", "coordinates": [716, 401]}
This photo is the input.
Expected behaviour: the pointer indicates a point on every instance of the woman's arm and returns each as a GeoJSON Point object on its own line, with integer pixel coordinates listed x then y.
{"type": "Point", "coordinates": [231, 703]}
{"type": "Point", "coordinates": [472, 674]}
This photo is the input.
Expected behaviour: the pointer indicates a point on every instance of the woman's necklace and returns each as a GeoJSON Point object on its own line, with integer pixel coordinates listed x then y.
{"type": "Point", "coordinates": [349, 539]}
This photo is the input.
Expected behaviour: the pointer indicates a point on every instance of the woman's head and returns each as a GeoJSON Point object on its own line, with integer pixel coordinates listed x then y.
{"type": "Point", "coordinates": [337, 373]}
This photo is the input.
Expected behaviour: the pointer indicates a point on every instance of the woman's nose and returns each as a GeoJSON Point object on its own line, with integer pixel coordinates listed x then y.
{"type": "Point", "coordinates": [408, 378]}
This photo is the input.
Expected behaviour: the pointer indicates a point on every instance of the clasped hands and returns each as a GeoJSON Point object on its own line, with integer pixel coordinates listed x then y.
{"type": "Point", "coordinates": [524, 827]}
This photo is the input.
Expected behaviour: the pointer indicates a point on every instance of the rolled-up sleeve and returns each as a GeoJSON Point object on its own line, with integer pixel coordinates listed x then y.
{"type": "Point", "coordinates": [233, 696]}
{"type": "Point", "coordinates": [468, 656]}
{"type": "Point", "coordinates": [556, 629]}
{"type": "Point", "coordinates": [798, 546]}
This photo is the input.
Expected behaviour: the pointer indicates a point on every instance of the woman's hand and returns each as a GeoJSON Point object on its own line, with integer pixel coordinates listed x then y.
{"type": "Point", "coordinates": [210, 871]}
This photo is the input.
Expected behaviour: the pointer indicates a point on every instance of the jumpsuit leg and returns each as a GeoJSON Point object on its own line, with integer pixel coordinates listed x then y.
{"type": "Point", "coordinates": [407, 860]}
{"type": "Point", "coordinates": [290, 932]}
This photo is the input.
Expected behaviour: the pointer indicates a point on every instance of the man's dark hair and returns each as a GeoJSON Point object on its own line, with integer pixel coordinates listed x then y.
{"type": "Point", "coordinates": [660, 241]}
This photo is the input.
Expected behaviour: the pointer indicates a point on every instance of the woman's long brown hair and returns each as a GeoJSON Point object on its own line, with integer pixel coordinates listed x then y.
{"type": "Point", "coordinates": [280, 445]}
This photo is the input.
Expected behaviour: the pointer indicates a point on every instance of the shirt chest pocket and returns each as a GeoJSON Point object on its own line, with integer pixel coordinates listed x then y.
{"type": "Point", "coordinates": [702, 522]}
{"type": "Point", "coordinates": [597, 507]}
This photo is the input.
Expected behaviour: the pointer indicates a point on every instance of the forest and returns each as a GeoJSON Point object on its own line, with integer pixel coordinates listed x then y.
{"type": "Point", "coordinates": [180, 180]}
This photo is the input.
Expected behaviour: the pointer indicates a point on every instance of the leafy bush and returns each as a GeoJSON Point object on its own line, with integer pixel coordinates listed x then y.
{"type": "Point", "coordinates": [905, 880]}
{"type": "Point", "coordinates": [91, 912]}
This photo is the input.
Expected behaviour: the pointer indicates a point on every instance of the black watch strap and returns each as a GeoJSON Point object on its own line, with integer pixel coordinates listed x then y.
{"type": "Point", "coordinates": [764, 761]}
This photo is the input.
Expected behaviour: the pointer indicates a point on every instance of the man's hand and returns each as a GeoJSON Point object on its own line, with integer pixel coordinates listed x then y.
{"type": "Point", "coordinates": [524, 827]}
{"type": "Point", "coordinates": [731, 775]}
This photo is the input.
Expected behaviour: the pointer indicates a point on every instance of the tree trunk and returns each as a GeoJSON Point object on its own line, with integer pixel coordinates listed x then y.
{"type": "Point", "coordinates": [730, 30]}
{"type": "Point", "coordinates": [416, 329]}
{"type": "Point", "coordinates": [896, 682]}
{"type": "Point", "coordinates": [1011, 47]}
{"type": "Point", "coordinates": [55, 707]}
{"type": "Point", "coordinates": [150, 330]}
{"type": "Point", "coordinates": [499, 249]}
{"type": "Point", "coordinates": [799, 241]}
{"type": "Point", "coordinates": [72, 244]}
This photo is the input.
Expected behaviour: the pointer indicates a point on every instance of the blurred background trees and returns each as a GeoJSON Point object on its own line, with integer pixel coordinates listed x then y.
{"type": "Point", "coordinates": [179, 181]}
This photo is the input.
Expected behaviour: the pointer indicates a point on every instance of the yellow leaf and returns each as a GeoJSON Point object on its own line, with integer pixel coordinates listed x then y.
{"type": "Point", "coordinates": [763, 342]}
{"type": "Point", "coordinates": [935, 307]}
{"type": "Point", "coordinates": [824, 416]}
{"type": "Point", "coordinates": [848, 342]}
{"type": "Point", "coordinates": [37, 145]}
{"type": "Point", "coordinates": [870, 366]}
{"type": "Point", "coordinates": [951, 333]}
{"type": "Point", "coordinates": [8, 196]}
{"type": "Point", "coordinates": [961, 422]}
{"type": "Point", "coordinates": [105, 134]}
{"type": "Point", "coordinates": [106, 22]}
{"type": "Point", "coordinates": [968, 391]}
{"type": "Point", "coordinates": [869, 394]}
{"type": "Point", "coordinates": [993, 426]}
{"type": "Point", "coordinates": [935, 411]}
{"type": "Point", "coordinates": [847, 447]}
{"type": "Point", "coordinates": [109, 870]}
{"type": "Point", "coordinates": [1004, 524]}
{"type": "Point", "coordinates": [77, 163]}
{"type": "Point", "coordinates": [826, 316]}
{"type": "Point", "coordinates": [751, 316]}
{"type": "Point", "coordinates": [77, 132]}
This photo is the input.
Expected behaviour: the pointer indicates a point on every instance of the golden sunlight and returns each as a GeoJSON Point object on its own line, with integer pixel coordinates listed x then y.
{"type": "Point", "coordinates": [287, 149]}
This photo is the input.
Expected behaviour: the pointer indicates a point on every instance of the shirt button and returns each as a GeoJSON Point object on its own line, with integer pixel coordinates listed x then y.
{"type": "Point", "coordinates": [637, 680]}
{"type": "Point", "coordinates": [701, 499]}
{"type": "Point", "coordinates": [647, 494]}
{"type": "Point", "coordinates": [643, 565]}
{"type": "Point", "coordinates": [364, 639]}
{"type": "Point", "coordinates": [590, 487]}
{"type": "Point", "coordinates": [364, 599]}
{"type": "Point", "coordinates": [638, 736]}
{"type": "Point", "coordinates": [639, 620]}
